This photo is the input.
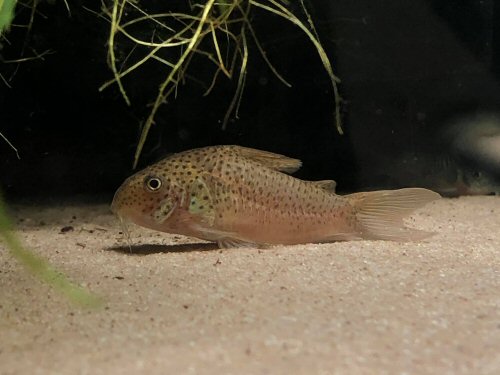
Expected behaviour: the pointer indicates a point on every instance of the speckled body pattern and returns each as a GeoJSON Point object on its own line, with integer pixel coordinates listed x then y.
{"type": "Point", "coordinates": [236, 196]}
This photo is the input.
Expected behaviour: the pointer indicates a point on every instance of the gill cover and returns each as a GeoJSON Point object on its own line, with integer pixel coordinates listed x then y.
{"type": "Point", "coordinates": [201, 202]}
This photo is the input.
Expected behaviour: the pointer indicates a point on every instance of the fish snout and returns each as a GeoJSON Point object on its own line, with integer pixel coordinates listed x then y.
{"type": "Point", "coordinates": [114, 206]}
{"type": "Point", "coordinates": [117, 203]}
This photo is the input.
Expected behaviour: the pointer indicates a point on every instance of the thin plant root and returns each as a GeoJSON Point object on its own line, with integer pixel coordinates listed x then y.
{"type": "Point", "coordinates": [218, 31]}
{"type": "Point", "coordinates": [8, 8]}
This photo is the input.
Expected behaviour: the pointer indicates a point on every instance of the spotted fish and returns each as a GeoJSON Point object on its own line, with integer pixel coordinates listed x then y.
{"type": "Point", "coordinates": [238, 196]}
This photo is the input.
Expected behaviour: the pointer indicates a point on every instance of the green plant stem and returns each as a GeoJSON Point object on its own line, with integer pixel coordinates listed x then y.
{"type": "Point", "coordinates": [40, 268]}
{"type": "Point", "coordinates": [161, 92]}
{"type": "Point", "coordinates": [285, 13]}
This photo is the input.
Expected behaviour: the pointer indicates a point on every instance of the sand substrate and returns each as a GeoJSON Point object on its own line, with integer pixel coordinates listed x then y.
{"type": "Point", "coordinates": [174, 306]}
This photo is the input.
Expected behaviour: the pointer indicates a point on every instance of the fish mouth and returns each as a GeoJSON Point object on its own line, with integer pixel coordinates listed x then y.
{"type": "Point", "coordinates": [123, 211]}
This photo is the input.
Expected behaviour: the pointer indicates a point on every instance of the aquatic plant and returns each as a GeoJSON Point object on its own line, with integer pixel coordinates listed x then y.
{"type": "Point", "coordinates": [39, 267]}
{"type": "Point", "coordinates": [7, 8]}
{"type": "Point", "coordinates": [6, 14]}
{"type": "Point", "coordinates": [219, 32]}
{"type": "Point", "coordinates": [35, 264]}
{"type": "Point", "coordinates": [204, 29]}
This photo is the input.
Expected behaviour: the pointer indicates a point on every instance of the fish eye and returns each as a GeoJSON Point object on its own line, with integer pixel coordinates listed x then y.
{"type": "Point", "coordinates": [152, 183]}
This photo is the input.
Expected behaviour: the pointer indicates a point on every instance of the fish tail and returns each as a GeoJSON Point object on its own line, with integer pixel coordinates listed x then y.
{"type": "Point", "coordinates": [380, 214]}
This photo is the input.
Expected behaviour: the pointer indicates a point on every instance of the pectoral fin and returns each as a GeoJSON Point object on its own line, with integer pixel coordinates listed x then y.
{"type": "Point", "coordinates": [269, 159]}
{"type": "Point", "coordinates": [226, 243]}
{"type": "Point", "coordinates": [225, 239]}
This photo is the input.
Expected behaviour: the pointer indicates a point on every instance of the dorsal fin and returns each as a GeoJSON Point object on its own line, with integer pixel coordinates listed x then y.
{"type": "Point", "coordinates": [269, 159]}
{"type": "Point", "coordinates": [328, 185]}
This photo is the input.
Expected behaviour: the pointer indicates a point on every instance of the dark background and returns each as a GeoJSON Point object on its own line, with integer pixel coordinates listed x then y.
{"type": "Point", "coordinates": [409, 69]}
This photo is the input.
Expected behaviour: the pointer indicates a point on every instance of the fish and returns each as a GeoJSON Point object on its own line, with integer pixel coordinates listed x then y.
{"type": "Point", "coordinates": [475, 140]}
{"type": "Point", "coordinates": [441, 172]}
{"type": "Point", "coordinates": [243, 197]}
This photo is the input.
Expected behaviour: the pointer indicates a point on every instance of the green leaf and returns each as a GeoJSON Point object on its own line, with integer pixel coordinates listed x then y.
{"type": "Point", "coordinates": [40, 268]}
{"type": "Point", "coordinates": [6, 14]}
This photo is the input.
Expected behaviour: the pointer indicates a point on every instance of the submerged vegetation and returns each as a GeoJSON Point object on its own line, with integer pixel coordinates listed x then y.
{"type": "Point", "coordinates": [33, 263]}
{"type": "Point", "coordinates": [218, 34]}
{"type": "Point", "coordinates": [217, 31]}
{"type": "Point", "coordinates": [6, 14]}
{"type": "Point", "coordinates": [8, 9]}
{"type": "Point", "coordinates": [39, 267]}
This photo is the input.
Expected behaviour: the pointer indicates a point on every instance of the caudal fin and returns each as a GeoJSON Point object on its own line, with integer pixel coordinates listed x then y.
{"type": "Point", "coordinates": [380, 214]}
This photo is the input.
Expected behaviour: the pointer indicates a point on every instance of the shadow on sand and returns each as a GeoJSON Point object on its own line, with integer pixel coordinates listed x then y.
{"type": "Point", "coordinates": [156, 248]}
